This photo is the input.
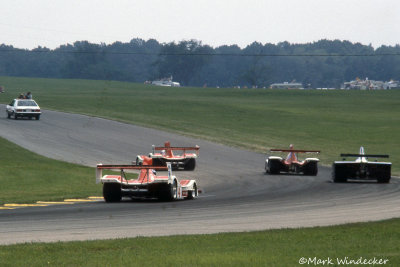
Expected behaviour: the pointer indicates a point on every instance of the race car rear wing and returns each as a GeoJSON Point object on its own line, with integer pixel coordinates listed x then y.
{"type": "Point", "coordinates": [295, 150]}
{"type": "Point", "coordinates": [364, 155]}
{"type": "Point", "coordinates": [100, 167]}
{"type": "Point", "coordinates": [177, 148]}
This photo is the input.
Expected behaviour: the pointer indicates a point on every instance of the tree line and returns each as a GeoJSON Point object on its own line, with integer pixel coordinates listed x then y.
{"type": "Point", "coordinates": [325, 63]}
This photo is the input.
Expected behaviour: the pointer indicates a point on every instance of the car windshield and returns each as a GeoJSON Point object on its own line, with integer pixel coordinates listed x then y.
{"type": "Point", "coordinates": [27, 103]}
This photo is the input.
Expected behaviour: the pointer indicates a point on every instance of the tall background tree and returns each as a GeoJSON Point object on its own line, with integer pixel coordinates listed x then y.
{"type": "Point", "coordinates": [183, 61]}
{"type": "Point", "coordinates": [326, 63]}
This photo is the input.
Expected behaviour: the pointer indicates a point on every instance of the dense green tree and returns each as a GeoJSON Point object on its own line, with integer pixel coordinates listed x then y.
{"type": "Point", "coordinates": [184, 60]}
{"type": "Point", "coordinates": [326, 63]}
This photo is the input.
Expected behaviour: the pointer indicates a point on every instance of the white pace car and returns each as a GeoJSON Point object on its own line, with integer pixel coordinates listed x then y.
{"type": "Point", "coordinates": [19, 108]}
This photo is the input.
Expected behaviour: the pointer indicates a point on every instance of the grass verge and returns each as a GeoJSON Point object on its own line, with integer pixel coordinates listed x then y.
{"type": "Point", "coordinates": [26, 177]}
{"type": "Point", "coordinates": [368, 241]}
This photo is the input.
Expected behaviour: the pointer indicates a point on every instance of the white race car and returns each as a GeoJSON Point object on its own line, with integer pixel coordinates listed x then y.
{"type": "Point", "coordinates": [19, 108]}
{"type": "Point", "coordinates": [361, 168]}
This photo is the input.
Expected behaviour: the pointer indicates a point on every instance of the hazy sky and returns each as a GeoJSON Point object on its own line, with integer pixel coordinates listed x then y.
{"type": "Point", "coordinates": [51, 23]}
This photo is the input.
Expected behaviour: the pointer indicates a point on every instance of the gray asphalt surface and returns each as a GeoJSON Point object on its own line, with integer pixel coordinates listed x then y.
{"type": "Point", "coordinates": [238, 195]}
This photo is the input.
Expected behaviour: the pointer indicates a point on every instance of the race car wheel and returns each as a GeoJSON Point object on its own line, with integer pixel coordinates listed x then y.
{"type": "Point", "coordinates": [274, 167]}
{"type": "Point", "coordinates": [190, 165]}
{"type": "Point", "coordinates": [159, 162]}
{"type": "Point", "coordinates": [171, 192]}
{"type": "Point", "coordinates": [384, 180]}
{"type": "Point", "coordinates": [192, 193]}
{"type": "Point", "coordinates": [337, 175]}
{"type": "Point", "coordinates": [339, 180]}
{"type": "Point", "coordinates": [384, 174]}
{"type": "Point", "coordinates": [37, 117]}
{"type": "Point", "coordinates": [8, 115]}
{"type": "Point", "coordinates": [311, 169]}
{"type": "Point", "coordinates": [112, 192]}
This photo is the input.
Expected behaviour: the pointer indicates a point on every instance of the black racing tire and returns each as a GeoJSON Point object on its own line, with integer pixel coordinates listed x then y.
{"type": "Point", "coordinates": [192, 194]}
{"type": "Point", "coordinates": [190, 165]}
{"type": "Point", "coordinates": [337, 176]}
{"type": "Point", "coordinates": [8, 115]}
{"type": "Point", "coordinates": [37, 117]}
{"type": "Point", "coordinates": [112, 192]}
{"type": "Point", "coordinates": [339, 180]}
{"type": "Point", "coordinates": [384, 180]}
{"type": "Point", "coordinates": [170, 193]}
{"type": "Point", "coordinates": [311, 169]}
{"type": "Point", "coordinates": [384, 175]}
{"type": "Point", "coordinates": [274, 167]}
{"type": "Point", "coordinates": [15, 116]}
{"type": "Point", "coordinates": [159, 162]}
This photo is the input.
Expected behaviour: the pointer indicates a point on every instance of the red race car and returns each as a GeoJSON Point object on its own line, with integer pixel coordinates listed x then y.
{"type": "Point", "coordinates": [291, 164]}
{"type": "Point", "coordinates": [184, 160]}
{"type": "Point", "coordinates": [147, 185]}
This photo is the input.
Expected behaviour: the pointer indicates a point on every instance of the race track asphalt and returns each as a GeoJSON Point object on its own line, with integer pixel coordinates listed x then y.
{"type": "Point", "coordinates": [238, 195]}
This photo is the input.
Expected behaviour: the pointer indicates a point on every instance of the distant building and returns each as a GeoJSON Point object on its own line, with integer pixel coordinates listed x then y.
{"type": "Point", "coordinates": [367, 84]}
{"type": "Point", "coordinates": [286, 85]}
{"type": "Point", "coordinates": [392, 85]}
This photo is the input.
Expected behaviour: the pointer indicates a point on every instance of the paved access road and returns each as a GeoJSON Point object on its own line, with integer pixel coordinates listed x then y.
{"type": "Point", "coordinates": [238, 195]}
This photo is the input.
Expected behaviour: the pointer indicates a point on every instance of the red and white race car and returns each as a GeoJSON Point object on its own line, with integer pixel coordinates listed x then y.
{"type": "Point", "coordinates": [147, 185]}
{"type": "Point", "coordinates": [275, 164]}
{"type": "Point", "coordinates": [185, 161]}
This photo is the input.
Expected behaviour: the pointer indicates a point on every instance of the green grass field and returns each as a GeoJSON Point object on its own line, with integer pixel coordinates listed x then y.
{"type": "Point", "coordinates": [333, 121]}
{"type": "Point", "coordinates": [379, 240]}
{"type": "Point", "coordinates": [26, 177]}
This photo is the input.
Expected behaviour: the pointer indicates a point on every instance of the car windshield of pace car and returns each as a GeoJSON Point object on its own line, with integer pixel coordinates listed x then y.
{"type": "Point", "coordinates": [27, 103]}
